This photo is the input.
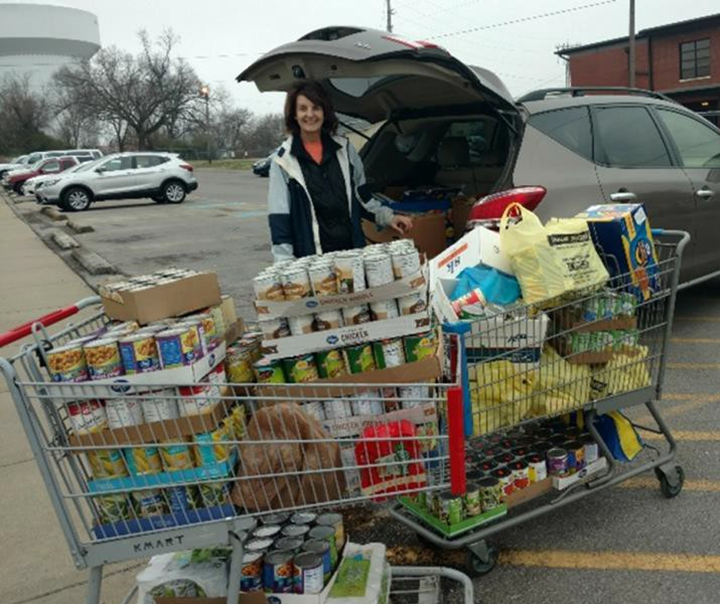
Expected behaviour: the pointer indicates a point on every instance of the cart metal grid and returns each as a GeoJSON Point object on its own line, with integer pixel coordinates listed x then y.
{"type": "Point", "coordinates": [537, 376]}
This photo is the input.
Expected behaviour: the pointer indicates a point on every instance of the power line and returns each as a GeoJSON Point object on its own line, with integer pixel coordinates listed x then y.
{"type": "Point", "coordinates": [524, 19]}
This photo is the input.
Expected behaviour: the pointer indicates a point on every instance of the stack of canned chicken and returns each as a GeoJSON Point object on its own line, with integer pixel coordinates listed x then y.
{"type": "Point", "coordinates": [293, 554]}
{"type": "Point", "coordinates": [144, 460]}
{"type": "Point", "coordinates": [143, 282]}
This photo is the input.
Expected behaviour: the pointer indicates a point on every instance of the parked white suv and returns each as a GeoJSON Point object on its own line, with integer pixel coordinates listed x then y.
{"type": "Point", "coordinates": [163, 177]}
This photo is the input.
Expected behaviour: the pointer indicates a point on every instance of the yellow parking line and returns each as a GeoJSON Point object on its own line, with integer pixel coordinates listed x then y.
{"type": "Point", "coordinates": [698, 319]}
{"type": "Point", "coordinates": [648, 482]}
{"type": "Point", "coordinates": [693, 365]}
{"type": "Point", "coordinates": [693, 404]}
{"type": "Point", "coordinates": [686, 435]}
{"type": "Point", "coordinates": [695, 340]}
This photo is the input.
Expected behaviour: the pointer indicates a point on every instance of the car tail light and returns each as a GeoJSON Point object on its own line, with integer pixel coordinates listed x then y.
{"type": "Point", "coordinates": [491, 207]}
{"type": "Point", "coordinates": [187, 167]}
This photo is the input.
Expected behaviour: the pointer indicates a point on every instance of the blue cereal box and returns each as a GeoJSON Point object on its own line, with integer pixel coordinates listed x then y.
{"type": "Point", "coordinates": [622, 232]}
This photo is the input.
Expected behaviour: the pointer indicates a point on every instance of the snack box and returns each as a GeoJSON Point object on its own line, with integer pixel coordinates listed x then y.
{"type": "Point", "coordinates": [622, 232]}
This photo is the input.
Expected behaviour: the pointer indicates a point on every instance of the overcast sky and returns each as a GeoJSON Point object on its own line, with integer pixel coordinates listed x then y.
{"type": "Point", "coordinates": [221, 37]}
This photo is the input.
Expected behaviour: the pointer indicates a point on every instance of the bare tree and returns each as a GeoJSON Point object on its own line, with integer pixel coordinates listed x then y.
{"type": "Point", "coordinates": [24, 115]}
{"type": "Point", "coordinates": [267, 133]}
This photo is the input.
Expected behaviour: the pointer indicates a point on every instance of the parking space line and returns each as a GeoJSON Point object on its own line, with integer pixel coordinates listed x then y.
{"type": "Point", "coordinates": [697, 366]}
{"type": "Point", "coordinates": [650, 482]}
{"type": "Point", "coordinates": [695, 340]}
{"type": "Point", "coordinates": [694, 403]}
{"type": "Point", "coordinates": [686, 435]}
{"type": "Point", "coordinates": [698, 319]}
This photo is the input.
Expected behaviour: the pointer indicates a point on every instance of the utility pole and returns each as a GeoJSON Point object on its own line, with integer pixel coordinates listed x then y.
{"type": "Point", "coordinates": [205, 93]}
{"type": "Point", "coordinates": [631, 47]}
{"type": "Point", "coordinates": [389, 14]}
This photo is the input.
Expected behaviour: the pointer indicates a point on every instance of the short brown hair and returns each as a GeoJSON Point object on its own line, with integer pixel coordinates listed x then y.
{"type": "Point", "coordinates": [315, 93]}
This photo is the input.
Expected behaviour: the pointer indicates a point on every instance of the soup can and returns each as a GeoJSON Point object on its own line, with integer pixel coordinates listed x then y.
{"type": "Point", "coordinates": [289, 544]}
{"type": "Point", "coordinates": [591, 451]}
{"type": "Point", "coordinates": [251, 577]}
{"type": "Point", "coordinates": [269, 372]}
{"type": "Point", "coordinates": [389, 353]}
{"type": "Point", "coordinates": [67, 363]}
{"type": "Point", "coordinates": [350, 272]}
{"type": "Point", "coordinates": [303, 518]}
{"type": "Point", "coordinates": [267, 531]}
{"type": "Point", "coordinates": [302, 325]}
{"type": "Point", "coordinates": [295, 530]}
{"type": "Point", "coordinates": [296, 283]}
{"type": "Point", "coordinates": [520, 473]}
{"type": "Point", "coordinates": [491, 492]}
{"type": "Point", "coordinates": [107, 463]}
{"type": "Point", "coordinates": [259, 545]}
{"type": "Point", "coordinates": [309, 573]}
{"type": "Point", "coordinates": [103, 359]}
{"type": "Point", "coordinates": [506, 480]}
{"type": "Point", "coordinates": [557, 461]}
{"type": "Point", "coordinates": [328, 319]}
{"type": "Point", "coordinates": [209, 330]}
{"type": "Point", "coordinates": [301, 369]}
{"type": "Point", "coordinates": [159, 405]}
{"type": "Point", "coordinates": [413, 396]}
{"type": "Point", "coordinates": [268, 286]}
{"type": "Point", "coordinates": [420, 346]}
{"type": "Point", "coordinates": [321, 548]}
{"type": "Point", "coordinates": [123, 412]}
{"type": "Point", "coordinates": [331, 363]}
{"type": "Point", "coordinates": [278, 572]}
{"type": "Point", "coordinates": [378, 270]}
{"type": "Point", "coordinates": [367, 403]}
{"type": "Point", "coordinates": [139, 353]}
{"type": "Point", "coordinates": [323, 279]}
{"type": "Point", "coordinates": [326, 533]}
{"type": "Point", "coordinates": [336, 522]}
{"type": "Point", "coordinates": [87, 417]}
{"type": "Point", "coordinates": [356, 315]}
{"type": "Point", "coordinates": [472, 500]}
{"type": "Point", "coordinates": [405, 261]}
{"type": "Point", "coordinates": [386, 309]}
{"type": "Point", "coordinates": [412, 304]}
{"type": "Point", "coordinates": [142, 461]}
{"type": "Point", "coordinates": [575, 453]}
{"type": "Point", "coordinates": [537, 468]}
{"type": "Point", "coordinates": [273, 329]}
{"type": "Point", "coordinates": [360, 358]}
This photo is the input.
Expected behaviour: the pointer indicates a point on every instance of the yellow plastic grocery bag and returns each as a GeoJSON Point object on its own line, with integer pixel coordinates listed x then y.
{"type": "Point", "coordinates": [571, 238]}
{"type": "Point", "coordinates": [536, 264]}
{"type": "Point", "coordinates": [627, 370]}
{"type": "Point", "coordinates": [559, 386]}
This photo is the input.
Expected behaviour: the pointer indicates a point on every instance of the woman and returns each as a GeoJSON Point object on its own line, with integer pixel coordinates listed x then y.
{"type": "Point", "coordinates": [317, 194]}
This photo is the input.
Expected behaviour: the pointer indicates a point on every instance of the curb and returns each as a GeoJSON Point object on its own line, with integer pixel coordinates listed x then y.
{"type": "Point", "coordinates": [63, 240]}
{"type": "Point", "coordinates": [79, 228]}
{"type": "Point", "coordinates": [53, 214]}
{"type": "Point", "coordinates": [92, 262]}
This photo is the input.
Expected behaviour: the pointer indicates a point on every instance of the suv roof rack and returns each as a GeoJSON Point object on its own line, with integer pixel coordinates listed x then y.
{"type": "Point", "coordinates": [542, 94]}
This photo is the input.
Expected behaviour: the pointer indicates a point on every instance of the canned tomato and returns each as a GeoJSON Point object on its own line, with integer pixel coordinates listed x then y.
{"type": "Point", "coordinates": [197, 400]}
{"type": "Point", "coordinates": [238, 365]}
{"type": "Point", "coordinates": [356, 315]}
{"type": "Point", "coordinates": [491, 493]}
{"type": "Point", "coordinates": [252, 572]}
{"type": "Point", "coordinates": [123, 412]}
{"type": "Point", "coordinates": [278, 572]}
{"type": "Point", "coordinates": [367, 403]}
{"type": "Point", "coordinates": [591, 451]}
{"type": "Point", "coordinates": [302, 325]}
{"type": "Point", "coordinates": [176, 455]}
{"type": "Point", "coordinates": [412, 304]}
{"type": "Point", "coordinates": [67, 363]}
{"type": "Point", "coordinates": [301, 369]}
{"type": "Point", "coordinates": [112, 508]}
{"type": "Point", "coordinates": [107, 463]}
{"type": "Point", "coordinates": [350, 272]}
{"type": "Point", "coordinates": [149, 502]}
{"type": "Point", "coordinates": [321, 548]}
{"type": "Point", "coordinates": [378, 270]}
{"type": "Point", "coordinates": [142, 460]}
{"type": "Point", "coordinates": [267, 531]}
{"type": "Point", "coordinates": [322, 278]}
{"type": "Point", "coordinates": [303, 518]}
{"type": "Point", "coordinates": [289, 544]}
{"type": "Point", "coordinates": [272, 329]}
{"type": "Point", "coordinates": [557, 461]}
{"type": "Point", "coordinates": [405, 261]}
{"type": "Point", "coordinates": [387, 309]}
{"type": "Point", "coordinates": [87, 417]}
{"type": "Point", "coordinates": [472, 501]}
{"type": "Point", "coordinates": [211, 447]}
{"type": "Point", "coordinates": [520, 473]}
{"type": "Point", "coordinates": [103, 359]}
{"type": "Point", "coordinates": [335, 521]}
{"type": "Point", "coordinates": [139, 353]}
{"type": "Point", "coordinates": [451, 508]}
{"type": "Point", "coordinates": [309, 573]}
{"type": "Point", "coordinates": [171, 349]}
{"type": "Point", "coordinates": [212, 494]}
{"type": "Point", "coordinates": [520, 452]}
{"type": "Point", "coordinates": [537, 469]}
{"type": "Point", "coordinates": [330, 363]}
{"type": "Point", "coordinates": [159, 405]}
{"type": "Point", "coordinates": [315, 409]}
{"type": "Point", "coordinates": [338, 409]}
{"type": "Point", "coordinates": [575, 453]}
{"type": "Point", "coordinates": [360, 358]}
{"type": "Point", "coordinates": [505, 478]}
{"type": "Point", "coordinates": [504, 458]}
{"type": "Point", "coordinates": [267, 286]}
{"type": "Point", "coordinates": [420, 346]}
{"type": "Point", "coordinates": [326, 533]}
{"type": "Point", "coordinates": [296, 283]}
{"type": "Point", "coordinates": [328, 319]}
{"type": "Point", "coordinates": [269, 372]}
{"type": "Point", "coordinates": [389, 353]}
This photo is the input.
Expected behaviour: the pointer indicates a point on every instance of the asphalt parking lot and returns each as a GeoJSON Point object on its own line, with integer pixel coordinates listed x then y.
{"type": "Point", "coordinates": [627, 545]}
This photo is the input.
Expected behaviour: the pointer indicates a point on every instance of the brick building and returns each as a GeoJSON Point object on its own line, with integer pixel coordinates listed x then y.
{"type": "Point", "coordinates": [680, 60]}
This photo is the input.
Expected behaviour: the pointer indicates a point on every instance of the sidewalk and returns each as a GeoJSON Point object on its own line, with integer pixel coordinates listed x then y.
{"type": "Point", "coordinates": [37, 567]}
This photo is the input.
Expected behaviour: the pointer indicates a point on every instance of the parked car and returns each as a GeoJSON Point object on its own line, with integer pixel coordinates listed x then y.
{"type": "Point", "coordinates": [554, 151]}
{"type": "Point", "coordinates": [163, 177]}
{"type": "Point", "coordinates": [14, 164]}
{"type": "Point", "coordinates": [262, 166]}
{"type": "Point", "coordinates": [54, 165]}
{"type": "Point", "coordinates": [32, 185]}
{"type": "Point", "coordinates": [90, 153]}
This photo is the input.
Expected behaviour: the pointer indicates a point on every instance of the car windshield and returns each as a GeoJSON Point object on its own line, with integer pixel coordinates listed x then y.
{"type": "Point", "coordinates": [37, 164]}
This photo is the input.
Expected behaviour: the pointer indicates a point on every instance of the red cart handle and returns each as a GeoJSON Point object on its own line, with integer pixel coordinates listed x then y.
{"type": "Point", "coordinates": [25, 329]}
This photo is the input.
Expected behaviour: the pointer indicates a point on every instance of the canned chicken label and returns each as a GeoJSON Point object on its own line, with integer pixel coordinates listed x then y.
{"type": "Point", "coordinates": [360, 358]}
{"type": "Point", "coordinates": [412, 304]}
{"type": "Point", "coordinates": [386, 309]}
{"type": "Point", "coordinates": [350, 271]}
{"type": "Point", "coordinates": [143, 460]}
{"type": "Point", "coordinates": [379, 270]}
{"type": "Point", "coordinates": [103, 359]}
{"type": "Point", "coordinates": [323, 279]}
{"type": "Point", "coordinates": [273, 329]}
{"type": "Point", "coordinates": [302, 369]}
{"type": "Point", "coordinates": [123, 412]}
{"type": "Point", "coordinates": [296, 283]}
{"type": "Point", "coordinates": [389, 353]}
{"type": "Point", "coordinates": [356, 315]}
{"type": "Point", "coordinates": [331, 363]}
{"type": "Point", "coordinates": [139, 354]}
{"type": "Point", "coordinates": [67, 364]}
{"type": "Point", "coordinates": [329, 319]}
{"type": "Point", "coordinates": [87, 417]}
{"type": "Point", "coordinates": [268, 286]}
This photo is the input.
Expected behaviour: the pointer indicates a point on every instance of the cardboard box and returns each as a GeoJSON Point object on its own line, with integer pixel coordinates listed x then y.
{"type": "Point", "coordinates": [281, 348]}
{"type": "Point", "coordinates": [229, 313]}
{"type": "Point", "coordinates": [428, 233]}
{"type": "Point", "coordinates": [267, 309]}
{"type": "Point", "coordinates": [536, 489]}
{"type": "Point", "coordinates": [623, 234]}
{"type": "Point", "coordinates": [461, 207]}
{"type": "Point", "coordinates": [565, 482]}
{"type": "Point", "coordinates": [162, 301]}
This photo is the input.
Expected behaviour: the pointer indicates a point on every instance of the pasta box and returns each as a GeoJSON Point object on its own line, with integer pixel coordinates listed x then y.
{"type": "Point", "coordinates": [622, 232]}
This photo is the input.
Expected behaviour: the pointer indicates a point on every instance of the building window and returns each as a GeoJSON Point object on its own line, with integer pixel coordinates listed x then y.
{"type": "Point", "coordinates": [695, 59]}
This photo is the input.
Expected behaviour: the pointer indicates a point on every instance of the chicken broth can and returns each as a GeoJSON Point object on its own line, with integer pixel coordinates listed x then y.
{"type": "Point", "coordinates": [328, 319]}
{"type": "Point", "coordinates": [323, 279]}
{"type": "Point", "coordinates": [139, 354]}
{"type": "Point", "coordinates": [386, 309]}
{"type": "Point", "coordinates": [67, 364]}
{"type": "Point", "coordinates": [405, 262]}
{"type": "Point", "coordinates": [378, 270]}
{"type": "Point", "coordinates": [301, 369]}
{"type": "Point", "coordinates": [272, 329]}
{"type": "Point", "coordinates": [412, 304]}
{"type": "Point", "coordinates": [103, 359]}
{"type": "Point", "coordinates": [331, 363]}
{"type": "Point", "coordinates": [356, 315]}
{"type": "Point", "coordinates": [296, 283]}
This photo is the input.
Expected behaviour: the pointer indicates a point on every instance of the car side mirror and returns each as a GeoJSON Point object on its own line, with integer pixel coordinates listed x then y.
{"type": "Point", "coordinates": [100, 169]}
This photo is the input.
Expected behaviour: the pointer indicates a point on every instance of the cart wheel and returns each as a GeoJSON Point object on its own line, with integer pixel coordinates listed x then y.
{"type": "Point", "coordinates": [667, 489]}
{"type": "Point", "coordinates": [479, 567]}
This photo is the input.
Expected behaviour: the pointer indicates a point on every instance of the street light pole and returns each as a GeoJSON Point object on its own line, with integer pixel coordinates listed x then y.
{"type": "Point", "coordinates": [631, 47]}
{"type": "Point", "coordinates": [205, 93]}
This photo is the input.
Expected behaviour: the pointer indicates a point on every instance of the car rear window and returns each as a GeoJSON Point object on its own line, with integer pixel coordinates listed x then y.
{"type": "Point", "coordinates": [569, 127]}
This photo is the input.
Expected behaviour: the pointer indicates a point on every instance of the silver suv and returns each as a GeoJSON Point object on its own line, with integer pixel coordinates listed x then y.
{"type": "Point", "coordinates": [437, 121]}
{"type": "Point", "coordinates": [163, 177]}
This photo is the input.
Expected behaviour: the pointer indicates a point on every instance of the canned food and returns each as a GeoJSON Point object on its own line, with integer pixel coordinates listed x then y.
{"type": "Point", "coordinates": [322, 278]}
{"type": "Point", "coordinates": [520, 473]}
{"type": "Point", "coordinates": [296, 283]}
{"type": "Point", "coordinates": [213, 337]}
{"type": "Point", "coordinates": [107, 463]}
{"type": "Point", "coordinates": [378, 270]}
{"type": "Point", "coordinates": [504, 458]}
{"type": "Point", "coordinates": [67, 363]}
{"type": "Point", "coordinates": [303, 518]}
{"type": "Point", "coordinates": [213, 494]}
{"type": "Point", "coordinates": [211, 447]}
{"type": "Point", "coordinates": [238, 365]}
{"type": "Point", "coordinates": [272, 329]}
{"type": "Point", "coordinates": [335, 521]}
{"type": "Point", "coordinates": [356, 315]}
{"type": "Point", "coordinates": [591, 451]}
{"type": "Point", "coordinates": [277, 518]}
{"type": "Point", "coordinates": [328, 319]}
{"type": "Point", "coordinates": [314, 409]}
{"type": "Point", "coordinates": [491, 493]}
{"type": "Point", "coordinates": [295, 530]}
{"type": "Point", "coordinates": [389, 353]}
{"type": "Point", "coordinates": [252, 572]}
{"type": "Point", "coordinates": [475, 475]}
{"type": "Point", "coordinates": [180, 500]}
{"type": "Point", "coordinates": [103, 359]}
{"type": "Point", "coordinates": [87, 417]}
{"type": "Point", "coordinates": [139, 353]}
{"type": "Point", "coordinates": [420, 346]}
{"type": "Point", "coordinates": [267, 286]}
{"type": "Point", "coordinates": [143, 460]}
{"type": "Point", "coordinates": [360, 358]}
{"type": "Point", "coordinates": [575, 455]}
{"type": "Point", "coordinates": [176, 455]}
{"type": "Point", "coordinates": [387, 309]}
{"type": "Point", "coordinates": [259, 545]}
{"type": "Point", "coordinates": [197, 400]}
{"type": "Point", "coordinates": [451, 508]}
{"type": "Point", "coordinates": [326, 533]}
{"type": "Point", "coordinates": [412, 304]}
{"type": "Point", "coordinates": [321, 548]}
{"type": "Point", "coordinates": [289, 544]}
{"type": "Point", "coordinates": [267, 531]}
{"type": "Point", "coordinates": [301, 369]}
{"type": "Point", "coordinates": [413, 396]}
{"type": "Point", "coordinates": [405, 261]}
{"type": "Point", "coordinates": [330, 363]}
{"type": "Point", "coordinates": [557, 461]}
{"type": "Point", "coordinates": [309, 573]}
{"type": "Point", "coordinates": [149, 502]}
{"type": "Point", "coordinates": [537, 469]}
{"type": "Point", "coordinates": [112, 508]}
{"type": "Point", "coordinates": [278, 572]}
{"type": "Point", "coordinates": [269, 372]}
{"type": "Point", "coordinates": [350, 272]}
{"type": "Point", "coordinates": [302, 325]}
{"type": "Point", "coordinates": [219, 320]}
{"type": "Point", "coordinates": [159, 405]}
{"type": "Point", "coordinates": [367, 403]}
{"type": "Point", "coordinates": [123, 412]}
{"type": "Point", "coordinates": [472, 501]}
{"type": "Point", "coordinates": [338, 409]}
{"type": "Point", "coordinates": [177, 347]}
{"type": "Point", "coordinates": [505, 478]}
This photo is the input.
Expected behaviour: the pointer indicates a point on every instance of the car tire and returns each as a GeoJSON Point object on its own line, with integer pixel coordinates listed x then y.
{"type": "Point", "coordinates": [17, 187]}
{"type": "Point", "coordinates": [158, 199]}
{"type": "Point", "coordinates": [173, 191]}
{"type": "Point", "coordinates": [76, 199]}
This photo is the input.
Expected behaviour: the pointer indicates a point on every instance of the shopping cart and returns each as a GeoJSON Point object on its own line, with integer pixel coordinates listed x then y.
{"type": "Point", "coordinates": [131, 492]}
{"type": "Point", "coordinates": [517, 384]}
